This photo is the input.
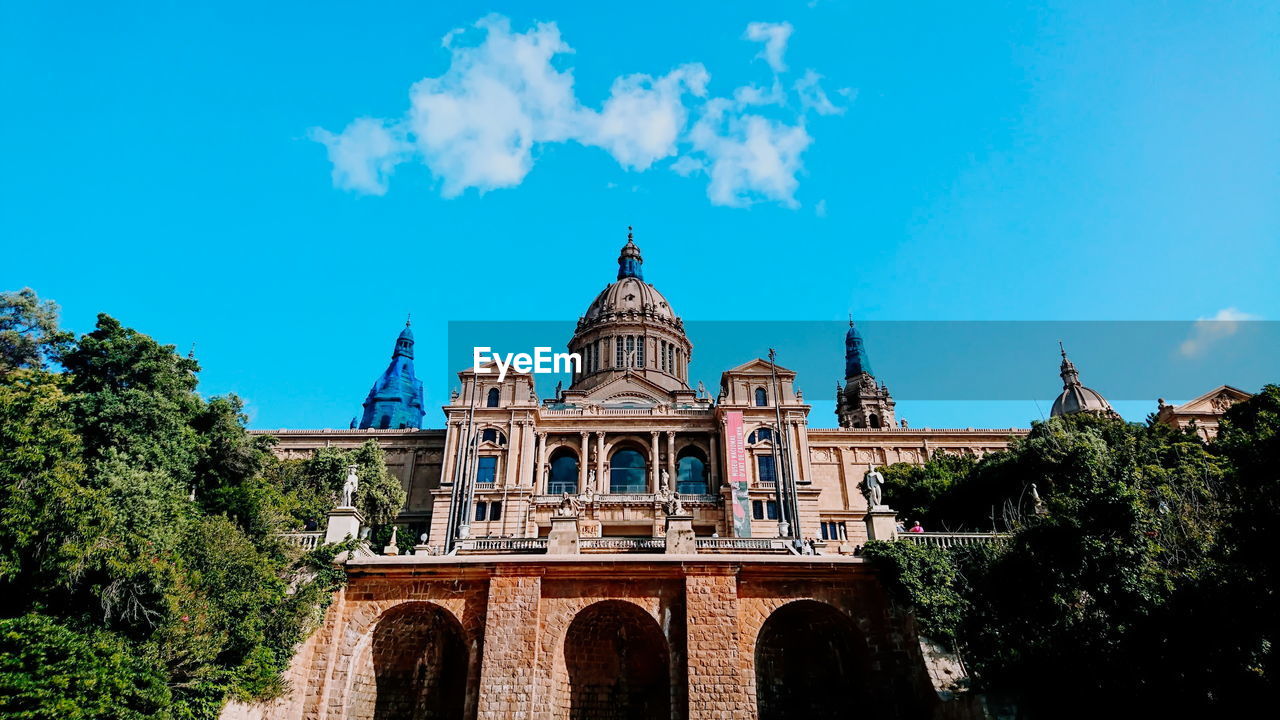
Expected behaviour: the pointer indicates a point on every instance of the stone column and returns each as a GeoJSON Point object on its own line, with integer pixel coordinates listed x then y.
{"type": "Point", "coordinates": [719, 686]}
{"type": "Point", "coordinates": [601, 483]}
{"type": "Point", "coordinates": [653, 462]}
{"type": "Point", "coordinates": [582, 462]}
{"type": "Point", "coordinates": [671, 457]}
{"type": "Point", "coordinates": [541, 463]}
{"type": "Point", "coordinates": [713, 458]}
{"type": "Point", "coordinates": [510, 643]}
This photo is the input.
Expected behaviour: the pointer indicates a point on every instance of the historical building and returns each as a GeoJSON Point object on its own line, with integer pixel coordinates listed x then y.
{"type": "Point", "coordinates": [1202, 413]}
{"type": "Point", "coordinates": [631, 547]}
{"type": "Point", "coordinates": [1075, 397]}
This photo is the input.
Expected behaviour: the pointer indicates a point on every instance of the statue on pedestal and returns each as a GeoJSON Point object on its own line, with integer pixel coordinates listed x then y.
{"type": "Point", "coordinates": [568, 506]}
{"type": "Point", "coordinates": [674, 505]}
{"type": "Point", "coordinates": [349, 487]}
{"type": "Point", "coordinates": [873, 487]}
{"type": "Point", "coordinates": [664, 485]}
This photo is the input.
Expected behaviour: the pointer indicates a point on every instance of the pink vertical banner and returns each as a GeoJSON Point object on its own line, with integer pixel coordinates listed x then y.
{"type": "Point", "coordinates": [736, 466]}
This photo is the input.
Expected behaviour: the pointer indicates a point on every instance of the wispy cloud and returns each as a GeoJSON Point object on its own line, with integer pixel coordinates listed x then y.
{"type": "Point", "coordinates": [476, 126]}
{"type": "Point", "coordinates": [1205, 332]}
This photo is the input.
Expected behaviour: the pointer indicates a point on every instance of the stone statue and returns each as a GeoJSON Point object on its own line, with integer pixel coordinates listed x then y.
{"type": "Point", "coordinates": [559, 388]}
{"type": "Point", "coordinates": [903, 423]}
{"type": "Point", "coordinates": [674, 505]}
{"type": "Point", "coordinates": [664, 485]}
{"type": "Point", "coordinates": [1035, 498]}
{"type": "Point", "coordinates": [349, 487]}
{"type": "Point", "coordinates": [591, 481]}
{"type": "Point", "coordinates": [702, 389]}
{"type": "Point", "coordinates": [874, 487]}
{"type": "Point", "coordinates": [568, 506]}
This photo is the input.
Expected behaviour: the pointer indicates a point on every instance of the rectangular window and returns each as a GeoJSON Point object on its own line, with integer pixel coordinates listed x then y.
{"type": "Point", "coordinates": [757, 509]}
{"type": "Point", "coordinates": [495, 510]}
{"type": "Point", "coordinates": [487, 469]}
{"type": "Point", "coordinates": [765, 469]}
{"type": "Point", "coordinates": [771, 510]}
{"type": "Point", "coordinates": [480, 511]}
{"type": "Point", "coordinates": [671, 359]}
{"type": "Point", "coordinates": [640, 343]}
{"type": "Point", "coordinates": [618, 351]}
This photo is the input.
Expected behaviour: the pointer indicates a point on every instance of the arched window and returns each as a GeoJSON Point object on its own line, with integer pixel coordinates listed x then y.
{"type": "Point", "coordinates": [763, 434]}
{"type": "Point", "coordinates": [874, 420]}
{"type": "Point", "coordinates": [564, 473]}
{"type": "Point", "coordinates": [627, 472]}
{"type": "Point", "coordinates": [491, 400]}
{"type": "Point", "coordinates": [493, 435]}
{"type": "Point", "coordinates": [691, 473]}
{"type": "Point", "coordinates": [762, 397]}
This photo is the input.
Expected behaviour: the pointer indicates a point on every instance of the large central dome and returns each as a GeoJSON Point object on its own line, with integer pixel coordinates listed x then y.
{"type": "Point", "coordinates": [630, 328]}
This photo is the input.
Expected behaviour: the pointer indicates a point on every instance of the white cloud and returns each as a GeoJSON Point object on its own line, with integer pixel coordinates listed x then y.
{"type": "Point", "coordinates": [363, 155]}
{"type": "Point", "coordinates": [476, 126]}
{"type": "Point", "coordinates": [751, 158]}
{"type": "Point", "coordinates": [812, 97]}
{"type": "Point", "coordinates": [821, 208]}
{"type": "Point", "coordinates": [774, 36]}
{"type": "Point", "coordinates": [643, 117]}
{"type": "Point", "coordinates": [1207, 331]}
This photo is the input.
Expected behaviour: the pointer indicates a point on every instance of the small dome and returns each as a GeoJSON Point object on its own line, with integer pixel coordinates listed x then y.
{"type": "Point", "coordinates": [1075, 397]}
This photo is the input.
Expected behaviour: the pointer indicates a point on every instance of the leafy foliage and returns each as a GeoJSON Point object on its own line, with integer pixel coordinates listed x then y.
{"type": "Point", "coordinates": [29, 335]}
{"type": "Point", "coordinates": [1113, 585]}
{"type": "Point", "coordinates": [924, 580]}
{"type": "Point", "coordinates": [140, 570]}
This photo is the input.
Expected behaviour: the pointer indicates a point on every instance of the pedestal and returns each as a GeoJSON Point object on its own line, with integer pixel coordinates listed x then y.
{"type": "Point", "coordinates": [680, 539]}
{"type": "Point", "coordinates": [343, 522]}
{"type": "Point", "coordinates": [563, 539]}
{"type": "Point", "coordinates": [882, 521]}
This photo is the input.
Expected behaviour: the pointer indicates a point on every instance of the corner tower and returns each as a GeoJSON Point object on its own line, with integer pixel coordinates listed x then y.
{"type": "Point", "coordinates": [396, 398]}
{"type": "Point", "coordinates": [861, 402]}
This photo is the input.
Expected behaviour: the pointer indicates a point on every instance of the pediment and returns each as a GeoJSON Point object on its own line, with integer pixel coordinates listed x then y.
{"type": "Point", "coordinates": [759, 366]}
{"type": "Point", "coordinates": [1214, 402]}
{"type": "Point", "coordinates": [628, 389]}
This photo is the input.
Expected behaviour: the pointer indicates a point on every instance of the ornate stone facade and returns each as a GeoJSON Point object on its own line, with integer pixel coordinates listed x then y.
{"type": "Point", "coordinates": [762, 614]}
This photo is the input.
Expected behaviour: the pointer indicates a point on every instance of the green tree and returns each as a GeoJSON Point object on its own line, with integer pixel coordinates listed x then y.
{"type": "Point", "coordinates": [147, 518]}
{"type": "Point", "coordinates": [29, 334]}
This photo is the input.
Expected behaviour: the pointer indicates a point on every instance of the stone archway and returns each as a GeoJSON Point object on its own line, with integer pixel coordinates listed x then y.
{"type": "Point", "coordinates": [617, 665]}
{"type": "Point", "coordinates": [415, 667]}
{"type": "Point", "coordinates": [811, 664]}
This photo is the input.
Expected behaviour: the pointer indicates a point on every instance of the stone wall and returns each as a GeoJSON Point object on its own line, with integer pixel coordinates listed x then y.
{"type": "Point", "coordinates": [696, 637]}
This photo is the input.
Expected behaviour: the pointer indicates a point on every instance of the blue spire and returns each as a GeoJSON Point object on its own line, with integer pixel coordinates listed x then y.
{"type": "Point", "coordinates": [629, 261]}
{"type": "Point", "coordinates": [855, 355]}
{"type": "Point", "coordinates": [396, 399]}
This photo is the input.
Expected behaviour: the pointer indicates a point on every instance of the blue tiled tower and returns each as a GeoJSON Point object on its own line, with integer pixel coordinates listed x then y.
{"type": "Point", "coordinates": [396, 399]}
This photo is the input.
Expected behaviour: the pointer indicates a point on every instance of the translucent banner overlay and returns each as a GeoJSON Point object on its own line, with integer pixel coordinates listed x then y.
{"type": "Point", "coordinates": [946, 361]}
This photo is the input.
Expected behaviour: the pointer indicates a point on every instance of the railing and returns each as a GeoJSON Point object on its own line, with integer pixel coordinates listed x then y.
{"type": "Point", "coordinates": [627, 412]}
{"type": "Point", "coordinates": [502, 545]}
{"type": "Point", "coordinates": [767, 484]}
{"type": "Point", "coordinates": [485, 485]}
{"type": "Point", "coordinates": [950, 540]}
{"type": "Point", "coordinates": [631, 498]}
{"type": "Point", "coordinates": [774, 545]}
{"type": "Point", "coordinates": [622, 544]}
{"type": "Point", "coordinates": [306, 540]}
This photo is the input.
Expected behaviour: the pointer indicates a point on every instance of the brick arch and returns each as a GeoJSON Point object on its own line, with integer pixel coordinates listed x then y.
{"type": "Point", "coordinates": [351, 654]}
{"type": "Point", "coordinates": [810, 660]}
{"type": "Point", "coordinates": [558, 613]}
{"type": "Point", "coordinates": [412, 666]}
{"type": "Point", "coordinates": [614, 662]}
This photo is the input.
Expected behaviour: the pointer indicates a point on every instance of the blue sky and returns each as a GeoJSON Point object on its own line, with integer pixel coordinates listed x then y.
{"type": "Point", "coordinates": [169, 163]}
